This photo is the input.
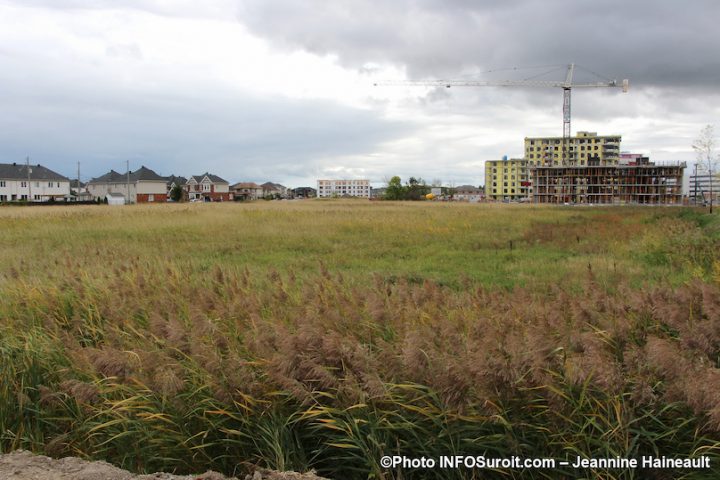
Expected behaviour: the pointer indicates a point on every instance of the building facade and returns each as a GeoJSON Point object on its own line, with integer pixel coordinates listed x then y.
{"type": "Point", "coordinates": [343, 188]}
{"type": "Point", "coordinates": [174, 181]}
{"type": "Point", "coordinates": [467, 193]}
{"type": "Point", "coordinates": [31, 183]}
{"type": "Point", "coordinates": [274, 190]}
{"type": "Point", "coordinates": [641, 182]}
{"type": "Point", "coordinates": [507, 179]}
{"type": "Point", "coordinates": [586, 148]}
{"type": "Point", "coordinates": [141, 186]}
{"type": "Point", "coordinates": [701, 186]}
{"type": "Point", "coordinates": [208, 187]}
{"type": "Point", "coordinates": [246, 191]}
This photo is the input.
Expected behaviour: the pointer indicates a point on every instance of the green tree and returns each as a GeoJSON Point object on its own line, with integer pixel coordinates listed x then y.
{"type": "Point", "coordinates": [416, 189]}
{"type": "Point", "coordinates": [176, 193]}
{"type": "Point", "coordinates": [395, 189]}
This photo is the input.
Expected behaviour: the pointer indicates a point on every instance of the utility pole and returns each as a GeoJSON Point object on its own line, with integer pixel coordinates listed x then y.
{"type": "Point", "coordinates": [77, 191]}
{"type": "Point", "coordinates": [696, 180]}
{"type": "Point", "coordinates": [127, 166]}
{"type": "Point", "coordinates": [27, 165]}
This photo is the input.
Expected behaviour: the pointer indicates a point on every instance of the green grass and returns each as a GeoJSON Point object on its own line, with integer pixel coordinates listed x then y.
{"type": "Point", "coordinates": [493, 245]}
{"type": "Point", "coordinates": [324, 334]}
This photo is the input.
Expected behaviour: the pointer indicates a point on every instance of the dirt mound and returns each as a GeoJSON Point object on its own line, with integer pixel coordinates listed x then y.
{"type": "Point", "coordinates": [22, 465]}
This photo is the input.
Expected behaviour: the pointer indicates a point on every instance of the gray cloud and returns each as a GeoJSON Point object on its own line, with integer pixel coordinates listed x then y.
{"type": "Point", "coordinates": [234, 135]}
{"type": "Point", "coordinates": [654, 43]}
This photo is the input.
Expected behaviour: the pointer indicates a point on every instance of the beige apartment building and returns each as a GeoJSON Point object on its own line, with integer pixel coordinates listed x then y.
{"type": "Point", "coordinates": [506, 179]}
{"type": "Point", "coordinates": [586, 148]}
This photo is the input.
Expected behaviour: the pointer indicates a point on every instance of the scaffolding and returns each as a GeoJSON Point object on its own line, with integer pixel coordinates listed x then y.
{"type": "Point", "coordinates": [635, 183]}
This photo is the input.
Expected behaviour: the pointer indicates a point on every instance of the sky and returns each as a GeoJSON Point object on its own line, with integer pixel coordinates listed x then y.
{"type": "Point", "coordinates": [283, 90]}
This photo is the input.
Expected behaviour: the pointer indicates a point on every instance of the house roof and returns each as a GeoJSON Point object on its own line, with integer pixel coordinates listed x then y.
{"type": "Point", "coordinates": [213, 178]}
{"type": "Point", "coordinates": [16, 171]}
{"type": "Point", "coordinates": [467, 188]}
{"type": "Point", "coordinates": [141, 174]}
{"type": "Point", "coordinates": [271, 185]}
{"type": "Point", "coordinates": [177, 180]}
{"type": "Point", "coordinates": [245, 185]}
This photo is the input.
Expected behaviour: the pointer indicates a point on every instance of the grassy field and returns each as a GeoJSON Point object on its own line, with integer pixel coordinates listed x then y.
{"type": "Point", "coordinates": [324, 334]}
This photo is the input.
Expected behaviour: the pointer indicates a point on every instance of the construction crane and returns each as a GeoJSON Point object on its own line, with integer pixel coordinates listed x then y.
{"type": "Point", "coordinates": [566, 86]}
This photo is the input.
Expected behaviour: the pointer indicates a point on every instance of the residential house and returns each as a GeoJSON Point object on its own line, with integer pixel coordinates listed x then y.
{"type": "Point", "coordinates": [304, 192]}
{"type": "Point", "coordinates": [246, 191]}
{"type": "Point", "coordinates": [141, 186]}
{"type": "Point", "coordinates": [79, 192]}
{"type": "Point", "coordinates": [469, 193]}
{"type": "Point", "coordinates": [174, 181]}
{"type": "Point", "coordinates": [207, 187]}
{"type": "Point", "coordinates": [274, 190]}
{"type": "Point", "coordinates": [35, 183]}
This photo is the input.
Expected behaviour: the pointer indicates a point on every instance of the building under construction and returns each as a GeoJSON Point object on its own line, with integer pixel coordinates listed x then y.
{"type": "Point", "coordinates": [639, 181]}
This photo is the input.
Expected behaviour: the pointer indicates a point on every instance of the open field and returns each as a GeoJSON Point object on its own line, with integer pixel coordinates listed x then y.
{"type": "Point", "coordinates": [324, 334]}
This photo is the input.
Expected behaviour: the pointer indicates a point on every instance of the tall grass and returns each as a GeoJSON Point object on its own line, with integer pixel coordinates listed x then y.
{"type": "Point", "coordinates": [141, 343]}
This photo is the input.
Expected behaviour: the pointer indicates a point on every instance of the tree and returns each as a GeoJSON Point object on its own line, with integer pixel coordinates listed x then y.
{"type": "Point", "coordinates": [417, 189]}
{"type": "Point", "coordinates": [395, 189]}
{"type": "Point", "coordinates": [704, 148]}
{"type": "Point", "coordinates": [176, 193]}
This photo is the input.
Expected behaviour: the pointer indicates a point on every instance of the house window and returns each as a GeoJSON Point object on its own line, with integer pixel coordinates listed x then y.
{"type": "Point", "coordinates": [2, 183]}
{"type": "Point", "coordinates": [37, 184]}
{"type": "Point", "coordinates": [36, 197]}
{"type": "Point", "coordinates": [23, 184]}
{"type": "Point", "coordinates": [50, 184]}
{"type": "Point", "coordinates": [3, 198]}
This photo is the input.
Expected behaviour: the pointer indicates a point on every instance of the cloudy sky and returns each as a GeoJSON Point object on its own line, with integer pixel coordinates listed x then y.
{"type": "Point", "coordinates": [282, 90]}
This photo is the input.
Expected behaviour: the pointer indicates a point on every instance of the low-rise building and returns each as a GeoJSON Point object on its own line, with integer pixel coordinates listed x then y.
{"type": "Point", "coordinates": [304, 192]}
{"type": "Point", "coordinates": [31, 183]}
{"type": "Point", "coordinates": [208, 187]}
{"type": "Point", "coordinates": [174, 181]}
{"type": "Point", "coordinates": [243, 191]}
{"type": "Point", "coordinates": [343, 188]}
{"type": "Point", "coordinates": [274, 190]}
{"type": "Point", "coordinates": [469, 193]}
{"type": "Point", "coordinates": [141, 186]}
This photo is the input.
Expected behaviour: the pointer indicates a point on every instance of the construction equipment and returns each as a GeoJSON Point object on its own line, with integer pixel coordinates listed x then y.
{"type": "Point", "coordinates": [566, 85]}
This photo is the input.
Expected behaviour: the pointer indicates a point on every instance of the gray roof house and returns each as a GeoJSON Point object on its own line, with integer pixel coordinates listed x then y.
{"type": "Point", "coordinates": [143, 185]}
{"type": "Point", "coordinates": [20, 182]}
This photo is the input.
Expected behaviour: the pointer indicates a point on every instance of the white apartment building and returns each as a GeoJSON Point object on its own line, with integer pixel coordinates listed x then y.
{"type": "Point", "coordinates": [343, 188]}
{"type": "Point", "coordinates": [34, 183]}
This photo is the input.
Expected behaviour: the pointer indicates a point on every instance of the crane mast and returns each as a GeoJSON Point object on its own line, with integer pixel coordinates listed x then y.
{"type": "Point", "coordinates": [566, 86]}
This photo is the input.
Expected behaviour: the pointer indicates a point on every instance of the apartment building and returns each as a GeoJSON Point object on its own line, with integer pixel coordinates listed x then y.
{"type": "Point", "coordinates": [636, 182]}
{"type": "Point", "coordinates": [34, 183]}
{"type": "Point", "coordinates": [507, 179]}
{"type": "Point", "coordinates": [343, 188]}
{"type": "Point", "coordinates": [586, 148]}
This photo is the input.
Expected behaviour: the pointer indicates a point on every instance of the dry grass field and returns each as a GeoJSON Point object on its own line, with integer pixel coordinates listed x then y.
{"type": "Point", "coordinates": [325, 334]}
